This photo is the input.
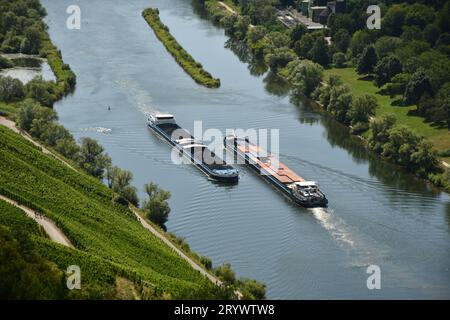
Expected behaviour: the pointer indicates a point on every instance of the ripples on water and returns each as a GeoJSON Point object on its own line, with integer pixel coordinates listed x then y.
{"type": "Point", "coordinates": [376, 215]}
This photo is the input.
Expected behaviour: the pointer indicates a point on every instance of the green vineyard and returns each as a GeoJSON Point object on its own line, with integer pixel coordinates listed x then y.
{"type": "Point", "coordinates": [110, 241]}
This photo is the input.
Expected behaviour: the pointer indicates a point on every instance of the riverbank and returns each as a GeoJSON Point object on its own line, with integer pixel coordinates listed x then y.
{"type": "Point", "coordinates": [181, 56]}
{"type": "Point", "coordinates": [363, 104]}
{"type": "Point", "coordinates": [439, 137]}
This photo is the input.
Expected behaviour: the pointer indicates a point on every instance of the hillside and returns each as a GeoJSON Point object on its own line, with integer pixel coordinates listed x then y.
{"type": "Point", "coordinates": [112, 248]}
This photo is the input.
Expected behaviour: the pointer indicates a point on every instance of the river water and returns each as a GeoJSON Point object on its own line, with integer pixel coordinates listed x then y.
{"type": "Point", "coordinates": [377, 215]}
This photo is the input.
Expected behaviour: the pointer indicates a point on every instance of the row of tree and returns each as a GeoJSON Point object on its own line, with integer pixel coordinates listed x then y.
{"type": "Point", "coordinates": [89, 155]}
{"type": "Point", "coordinates": [13, 90]}
{"type": "Point", "coordinates": [21, 26]}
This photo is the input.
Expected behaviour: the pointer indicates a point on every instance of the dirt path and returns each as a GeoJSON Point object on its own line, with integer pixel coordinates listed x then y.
{"type": "Point", "coordinates": [191, 262]}
{"type": "Point", "coordinates": [11, 125]}
{"type": "Point", "coordinates": [229, 9]}
{"type": "Point", "coordinates": [49, 226]}
{"type": "Point", "coordinates": [58, 236]}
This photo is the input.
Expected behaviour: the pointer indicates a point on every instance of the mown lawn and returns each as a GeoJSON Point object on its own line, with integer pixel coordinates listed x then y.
{"type": "Point", "coordinates": [358, 86]}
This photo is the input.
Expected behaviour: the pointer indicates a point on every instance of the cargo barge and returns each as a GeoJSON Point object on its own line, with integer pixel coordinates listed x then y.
{"type": "Point", "coordinates": [302, 192]}
{"type": "Point", "coordinates": [194, 150]}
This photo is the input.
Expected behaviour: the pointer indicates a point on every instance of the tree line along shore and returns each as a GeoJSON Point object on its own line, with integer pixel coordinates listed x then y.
{"type": "Point", "coordinates": [117, 256]}
{"type": "Point", "coordinates": [397, 77]}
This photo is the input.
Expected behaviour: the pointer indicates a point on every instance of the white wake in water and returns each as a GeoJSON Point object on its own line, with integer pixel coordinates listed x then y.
{"type": "Point", "coordinates": [338, 229]}
{"type": "Point", "coordinates": [365, 251]}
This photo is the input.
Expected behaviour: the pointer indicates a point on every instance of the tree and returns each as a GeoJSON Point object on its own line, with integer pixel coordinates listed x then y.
{"type": "Point", "coordinates": [367, 61]}
{"type": "Point", "coordinates": [319, 52]}
{"type": "Point", "coordinates": [251, 289]}
{"type": "Point", "coordinates": [342, 40]}
{"type": "Point", "coordinates": [305, 45]}
{"type": "Point", "coordinates": [226, 274]}
{"type": "Point", "coordinates": [41, 91]}
{"type": "Point", "coordinates": [5, 63]}
{"type": "Point", "coordinates": [156, 207]}
{"type": "Point", "coordinates": [360, 40]}
{"type": "Point", "coordinates": [416, 87]}
{"type": "Point", "coordinates": [11, 89]}
{"type": "Point", "coordinates": [362, 109]}
{"type": "Point", "coordinates": [120, 182]}
{"type": "Point", "coordinates": [27, 112]}
{"type": "Point", "coordinates": [394, 19]}
{"type": "Point", "coordinates": [386, 69]}
{"type": "Point", "coordinates": [340, 103]}
{"type": "Point", "coordinates": [304, 75]}
{"type": "Point", "coordinates": [279, 58]}
{"type": "Point", "coordinates": [297, 32]}
{"type": "Point", "coordinates": [23, 273]}
{"type": "Point", "coordinates": [379, 131]}
{"type": "Point", "coordinates": [386, 45]}
{"type": "Point", "coordinates": [92, 157]}
{"type": "Point", "coordinates": [339, 60]}
{"type": "Point", "coordinates": [444, 18]}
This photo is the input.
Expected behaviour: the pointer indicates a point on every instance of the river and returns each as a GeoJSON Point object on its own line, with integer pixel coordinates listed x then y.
{"type": "Point", "coordinates": [377, 214]}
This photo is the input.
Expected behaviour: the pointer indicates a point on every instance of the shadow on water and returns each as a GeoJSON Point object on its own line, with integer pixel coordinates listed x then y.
{"type": "Point", "coordinates": [276, 85]}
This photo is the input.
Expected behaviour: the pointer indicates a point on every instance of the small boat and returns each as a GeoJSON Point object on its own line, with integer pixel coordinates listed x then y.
{"type": "Point", "coordinates": [302, 192]}
{"type": "Point", "coordinates": [194, 150]}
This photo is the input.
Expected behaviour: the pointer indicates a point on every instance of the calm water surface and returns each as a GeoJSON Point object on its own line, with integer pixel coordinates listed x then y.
{"type": "Point", "coordinates": [377, 215]}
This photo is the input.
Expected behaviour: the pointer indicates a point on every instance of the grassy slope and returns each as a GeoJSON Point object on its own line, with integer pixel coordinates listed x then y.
{"type": "Point", "coordinates": [184, 59]}
{"type": "Point", "coordinates": [81, 206]}
{"type": "Point", "coordinates": [439, 137]}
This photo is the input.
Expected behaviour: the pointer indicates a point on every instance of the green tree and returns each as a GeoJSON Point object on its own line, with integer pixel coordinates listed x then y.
{"type": "Point", "coordinates": [41, 91]}
{"type": "Point", "coordinates": [386, 45]}
{"type": "Point", "coordinates": [304, 75]}
{"type": "Point", "coordinates": [339, 60]}
{"type": "Point", "coordinates": [93, 159]}
{"type": "Point", "coordinates": [279, 58]}
{"type": "Point", "coordinates": [340, 103]}
{"type": "Point", "coordinates": [379, 131]}
{"type": "Point", "coordinates": [11, 89]}
{"type": "Point", "coordinates": [226, 274]}
{"type": "Point", "coordinates": [416, 87]}
{"type": "Point", "coordinates": [386, 69]}
{"type": "Point", "coordinates": [120, 182]}
{"type": "Point", "coordinates": [156, 207]}
{"type": "Point", "coordinates": [367, 61]}
{"type": "Point", "coordinates": [319, 53]}
{"type": "Point", "coordinates": [342, 40]}
{"type": "Point", "coordinates": [362, 109]}
{"type": "Point", "coordinates": [24, 274]}
{"type": "Point", "coordinates": [251, 289]}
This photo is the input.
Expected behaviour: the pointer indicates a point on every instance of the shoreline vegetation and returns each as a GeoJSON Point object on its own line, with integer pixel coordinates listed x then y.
{"type": "Point", "coordinates": [363, 79]}
{"type": "Point", "coordinates": [193, 68]}
{"type": "Point", "coordinates": [119, 258]}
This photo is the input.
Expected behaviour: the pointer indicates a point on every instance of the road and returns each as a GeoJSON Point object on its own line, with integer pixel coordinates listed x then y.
{"type": "Point", "coordinates": [48, 225]}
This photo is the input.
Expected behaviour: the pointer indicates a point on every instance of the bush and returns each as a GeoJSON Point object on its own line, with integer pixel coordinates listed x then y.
{"type": "Point", "coordinates": [339, 60]}
{"type": "Point", "coordinates": [11, 89]}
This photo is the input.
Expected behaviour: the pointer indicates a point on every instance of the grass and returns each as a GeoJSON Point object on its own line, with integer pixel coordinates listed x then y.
{"type": "Point", "coordinates": [81, 206]}
{"type": "Point", "coordinates": [181, 56]}
{"type": "Point", "coordinates": [440, 138]}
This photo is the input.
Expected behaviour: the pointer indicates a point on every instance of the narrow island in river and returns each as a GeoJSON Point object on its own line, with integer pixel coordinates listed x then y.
{"type": "Point", "coordinates": [184, 59]}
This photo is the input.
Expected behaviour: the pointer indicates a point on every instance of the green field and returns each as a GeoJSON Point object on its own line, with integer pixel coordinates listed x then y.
{"type": "Point", "coordinates": [439, 137]}
{"type": "Point", "coordinates": [106, 235]}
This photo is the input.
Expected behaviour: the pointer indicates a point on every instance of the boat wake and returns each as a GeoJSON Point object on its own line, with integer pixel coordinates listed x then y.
{"type": "Point", "coordinates": [365, 251]}
{"type": "Point", "coordinates": [338, 229]}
